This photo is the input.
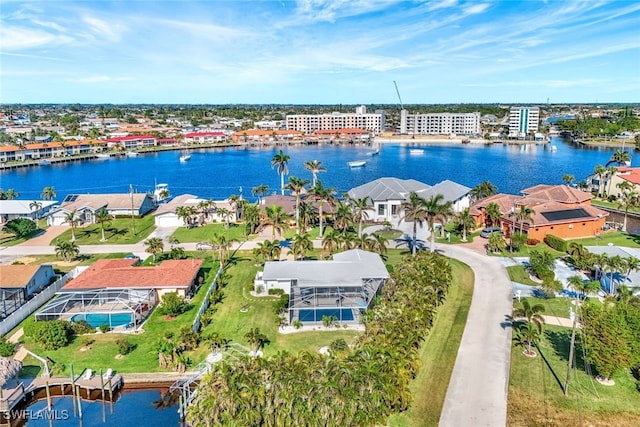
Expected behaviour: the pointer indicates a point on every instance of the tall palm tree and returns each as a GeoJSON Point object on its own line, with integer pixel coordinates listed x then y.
{"type": "Point", "coordinates": [252, 217]}
{"type": "Point", "coordinates": [256, 339]}
{"type": "Point", "coordinates": [467, 221]}
{"type": "Point", "coordinates": [482, 190]}
{"type": "Point", "coordinates": [185, 213]}
{"type": "Point", "coordinates": [620, 157]}
{"type": "Point", "coordinates": [222, 244]}
{"type": "Point", "coordinates": [71, 219]}
{"type": "Point", "coordinates": [568, 178]}
{"type": "Point", "coordinates": [48, 193]}
{"type": "Point", "coordinates": [277, 219]}
{"type": "Point", "coordinates": [154, 246]}
{"type": "Point", "coordinates": [321, 195]}
{"type": "Point", "coordinates": [437, 209]}
{"type": "Point", "coordinates": [297, 186]}
{"type": "Point", "coordinates": [315, 167]}
{"type": "Point", "coordinates": [35, 206]}
{"type": "Point", "coordinates": [260, 191]}
{"type": "Point", "coordinates": [492, 213]}
{"type": "Point", "coordinates": [308, 215]}
{"type": "Point", "coordinates": [280, 161]}
{"type": "Point", "coordinates": [628, 200]}
{"type": "Point", "coordinates": [415, 211]}
{"type": "Point", "coordinates": [226, 216]}
{"type": "Point", "coordinates": [269, 250]}
{"type": "Point", "coordinates": [103, 217]}
{"type": "Point", "coordinates": [600, 172]}
{"type": "Point", "coordinates": [343, 216]}
{"type": "Point", "coordinates": [360, 211]}
{"type": "Point", "coordinates": [66, 250]}
{"type": "Point", "coordinates": [331, 241]}
{"type": "Point", "coordinates": [525, 213]}
{"type": "Point", "coordinates": [301, 245]}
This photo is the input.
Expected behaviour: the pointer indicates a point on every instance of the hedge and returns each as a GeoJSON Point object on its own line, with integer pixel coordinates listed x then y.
{"type": "Point", "coordinates": [556, 242]}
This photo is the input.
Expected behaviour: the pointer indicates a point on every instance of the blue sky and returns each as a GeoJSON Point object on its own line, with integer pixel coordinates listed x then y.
{"type": "Point", "coordinates": [319, 52]}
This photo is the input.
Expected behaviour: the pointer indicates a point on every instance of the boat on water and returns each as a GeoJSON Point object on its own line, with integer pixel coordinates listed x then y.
{"type": "Point", "coordinates": [416, 151]}
{"type": "Point", "coordinates": [161, 193]}
{"type": "Point", "coordinates": [103, 156]}
{"type": "Point", "coordinates": [44, 162]}
{"type": "Point", "coordinates": [357, 163]}
{"type": "Point", "coordinates": [375, 152]}
{"type": "Point", "coordinates": [184, 158]}
{"type": "Point", "coordinates": [554, 148]}
{"type": "Point", "coordinates": [132, 154]}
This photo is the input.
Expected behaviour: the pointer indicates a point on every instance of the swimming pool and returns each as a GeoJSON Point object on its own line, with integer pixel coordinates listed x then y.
{"type": "Point", "coordinates": [98, 319]}
{"type": "Point", "coordinates": [308, 315]}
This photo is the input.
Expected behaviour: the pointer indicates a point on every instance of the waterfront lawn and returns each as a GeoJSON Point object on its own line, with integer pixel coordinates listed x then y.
{"type": "Point", "coordinates": [519, 274]}
{"type": "Point", "coordinates": [101, 353]}
{"type": "Point", "coordinates": [117, 232]}
{"type": "Point", "coordinates": [535, 392]}
{"type": "Point", "coordinates": [206, 232]}
{"type": "Point", "coordinates": [617, 238]}
{"type": "Point", "coordinates": [438, 353]}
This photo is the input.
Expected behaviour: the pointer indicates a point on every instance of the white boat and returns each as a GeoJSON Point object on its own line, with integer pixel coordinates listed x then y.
{"type": "Point", "coordinates": [554, 148]}
{"type": "Point", "coordinates": [44, 162]}
{"type": "Point", "coordinates": [357, 163]}
{"type": "Point", "coordinates": [161, 192]}
{"type": "Point", "coordinates": [132, 154]}
{"type": "Point", "coordinates": [185, 157]}
{"type": "Point", "coordinates": [416, 151]}
{"type": "Point", "coordinates": [103, 156]}
{"type": "Point", "coordinates": [375, 152]}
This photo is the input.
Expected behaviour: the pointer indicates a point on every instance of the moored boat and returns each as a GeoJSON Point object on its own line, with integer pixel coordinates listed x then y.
{"type": "Point", "coordinates": [416, 151]}
{"type": "Point", "coordinates": [132, 154]}
{"type": "Point", "coordinates": [357, 163]}
{"type": "Point", "coordinates": [185, 158]}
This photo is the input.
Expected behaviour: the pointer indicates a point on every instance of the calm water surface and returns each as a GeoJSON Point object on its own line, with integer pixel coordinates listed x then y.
{"type": "Point", "coordinates": [217, 173]}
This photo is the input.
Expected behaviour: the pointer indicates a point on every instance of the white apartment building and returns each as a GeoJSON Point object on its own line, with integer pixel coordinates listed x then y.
{"type": "Point", "coordinates": [439, 123]}
{"type": "Point", "coordinates": [309, 123]}
{"type": "Point", "coordinates": [523, 120]}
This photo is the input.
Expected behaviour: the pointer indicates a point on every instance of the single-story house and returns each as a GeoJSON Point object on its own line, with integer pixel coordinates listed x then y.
{"type": "Point", "coordinates": [386, 196]}
{"type": "Point", "coordinates": [32, 209]}
{"type": "Point", "coordinates": [560, 210]}
{"type": "Point", "coordinates": [86, 206]}
{"type": "Point", "coordinates": [205, 211]}
{"type": "Point", "coordinates": [120, 293]}
{"type": "Point", "coordinates": [19, 282]}
{"type": "Point", "coordinates": [343, 287]}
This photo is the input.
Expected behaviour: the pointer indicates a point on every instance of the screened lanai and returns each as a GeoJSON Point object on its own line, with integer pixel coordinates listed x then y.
{"type": "Point", "coordinates": [118, 308]}
{"type": "Point", "coordinates": [342, 288]}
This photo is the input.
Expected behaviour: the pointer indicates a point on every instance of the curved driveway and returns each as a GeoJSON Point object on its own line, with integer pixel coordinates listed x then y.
{"type": "Point", "coordinates": [477, 393]}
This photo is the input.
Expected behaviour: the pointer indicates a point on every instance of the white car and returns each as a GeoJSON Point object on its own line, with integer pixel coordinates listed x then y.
{"type": "Point", "coordinates": [204, 246]}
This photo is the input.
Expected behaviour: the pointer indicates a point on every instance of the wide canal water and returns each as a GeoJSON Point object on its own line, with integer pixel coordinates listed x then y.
{"type": "Point", "coordinates": [217, 173]}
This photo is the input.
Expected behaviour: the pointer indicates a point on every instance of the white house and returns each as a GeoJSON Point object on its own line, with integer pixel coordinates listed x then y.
{"type": "Point", "coordinates": [86, 206]}
{"type": "Point", "coordinates": [205, 211]}
{"type": "Point", "coordinates": [32, 209]}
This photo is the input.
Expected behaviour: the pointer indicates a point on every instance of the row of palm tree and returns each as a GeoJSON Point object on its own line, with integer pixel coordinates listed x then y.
{"type": "Point", "coordinates": [361, 385]}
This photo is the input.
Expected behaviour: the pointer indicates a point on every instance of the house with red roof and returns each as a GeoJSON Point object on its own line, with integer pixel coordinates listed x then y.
{"type": "Point", "coordinates": [609, 183]}
{"type": "Point", "coordinates": [559, 210]}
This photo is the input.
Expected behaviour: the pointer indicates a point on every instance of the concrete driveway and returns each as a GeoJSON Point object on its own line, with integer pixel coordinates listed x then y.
{"type": "Point", "coordinates": [477, 393]}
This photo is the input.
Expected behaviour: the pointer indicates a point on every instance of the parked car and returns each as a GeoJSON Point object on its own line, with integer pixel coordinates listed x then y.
{"type": "Point", "coordinates": [486, 232]}
{"type": "Point", "coordinates": [204, 246]}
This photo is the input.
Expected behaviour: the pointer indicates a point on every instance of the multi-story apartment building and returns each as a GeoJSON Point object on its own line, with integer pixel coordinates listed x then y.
{"type": "Point", "coordinates": [439, 123]}
{"type": "Point", "coordinates": [523, 121]}
{"type": "Point", "coordinates": [309, 123]}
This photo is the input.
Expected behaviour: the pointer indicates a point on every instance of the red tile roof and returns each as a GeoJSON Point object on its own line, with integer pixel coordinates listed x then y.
{"type": "Point", "coordinates": [557, 193]}
{"type": "Point", "coordinates": [629, 174]}
{"type": "Point", "coordinates": [121, 274]}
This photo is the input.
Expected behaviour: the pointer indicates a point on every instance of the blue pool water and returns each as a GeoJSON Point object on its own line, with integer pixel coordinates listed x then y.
{"type": "Point", "coordinates": [316, 315]}
{"type": "Point", "coordinates": [98, 319]}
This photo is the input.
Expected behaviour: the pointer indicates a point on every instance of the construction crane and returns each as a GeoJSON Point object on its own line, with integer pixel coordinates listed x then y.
{"type": "Point", "coordinates": [399, 98]}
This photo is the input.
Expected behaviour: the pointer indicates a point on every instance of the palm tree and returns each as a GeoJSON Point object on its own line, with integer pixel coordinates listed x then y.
{"type": "Point", "coordinates": [308, 215]}
{"type": "Point", "coordinates": [35, 206]}
{"type": "Point", "coordinates": [280, 161]}
{"type": "Point", "coordinates": [331, 241]}
{"type": "Point", "coordinates": [296, 185]}
{"type": "Point", "coordinates": [11, 194]}
{"type": "Point", "coordinates": [360, 211]}
{"type": "Point", "coordinates": [71, 219]}
{"type": "Point", "coordinates": [66, 250]}
{"type": "Point", "coordinates": [226, 216]}
{"type": "Point", "coordinates": [260, 190]}
{"type": "Point", "coordinates": [628, 200]}
{"type": "Point", "coordinates": [321, 195]}
{"type": "Point", "coordinates": [436, 209]}
{"type": "Point", "coordinates": [620, 157]}
{"type": "Point", "coordinates": [525, 214]}
{"type": "Point", "coordinates": [103, 217]}
{"type": "Point", "coordinates": [252, 217]}
{"type": "Point", "coordinates": [415, 211]}
{"type": "Point", "coordinates": [301, 245]}
{"type": "Point", "coordinates": [533, 313]}
{"type": "Point", "coordinates": [314, 166]}
{"type": "Point", "coordinates": [277, 219]}
{"type": "Point", "coordinates": [527, 335]}
{"type": "Point", "coordinates": [256, 339]}
{"type": "Point", "coordinates": [492, 213]}
{"type": "Point", "coordinates": [48, 193]}
{"type": "Point", "coordinates": [154, 246]}
{"type": "Point", "coordinates": [632, 263]}
{"type": "Point", "coordinates": [568, 178]}
{"type": "Point", "coordinates": [220, 243]}
{"type": "Point", "coordinates": [185, 213]}
{"type": "Point", "coordinates": [269, 250]}
{"type": "Point", "coordinates": [610, 172]}
{"type": "Point", "coordinates": [482, 190]}
{"type": "Point", "coordinates": [467, 221]}
{"type": "Point", "coordinates": [600, 172]}
{"type": "Point", "coordinates": [342, 217]}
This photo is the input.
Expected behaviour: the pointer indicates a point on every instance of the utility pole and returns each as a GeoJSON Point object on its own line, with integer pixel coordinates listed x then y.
{"type": "Point", "coordinates": [133, 223]}
{"type": "Point", "coordinates": [571, 347]}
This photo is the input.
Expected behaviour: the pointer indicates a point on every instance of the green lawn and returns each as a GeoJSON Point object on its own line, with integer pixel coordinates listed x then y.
{"type": "Point", "coordinates": [7, 239]}
{"type": "Point", "coordinates": [525, 251]}
{"type": "Point", "coordinates": [455, 236]}
{"type": "Point", "coordinates": [438, 354]}
{"type": "Point", "coordinates": [552, 306]}
{"type": "Point", "coordinates": [117, 232]}
{"type": "Point", "coordinates": [389, 234]}
{"type": "Point", "coordinates": [62, 266]}
{"type": "Point", "coordinates": [313, 233]}
{"type": "Point", "coordinates": [519, 274]}
{"type": "Point", "coordinates": [206, 232]}
{"type": "Point", "coordinates": [535, 393]}
{"type": "Point", "coordinates": [617, 238]}
{"type": "Point", "coordinates": [613, 205]}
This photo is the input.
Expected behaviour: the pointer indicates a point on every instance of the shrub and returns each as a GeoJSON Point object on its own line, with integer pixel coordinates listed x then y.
{"type": "Point", "coordinates": [518, 240]}
{"type": "Point", "coordinates": [556, 242]}
{"type": "Point", "coordinates": [338, 345]}
{"type": "Point", "coordinates": [20, 227]}
{"type": "Point", "coordinates": [29, 326]}
{"type": "Point", "coordinates": [259, 289]}
{"type": "Point", "coordinates": [276, 291]}
{"type": "Point", "coordinates": [81, 327]}
{"type": "Point", "coordinates": [7, 349]}
{"type": "Point", "coordinates": [124, 346]}
{"type": "Point", "coordinates": [297, 324]}
{"type": "Point", "coordinates": [281, 304]}
{"type": "Point", "coordinates": [172, 305]}
{"type": "Point", "coordinates": [104, 328]}
{"type": "Point", "coordinates": [532, 242]}
{"type": "Point", "coordinates": [52, 334]}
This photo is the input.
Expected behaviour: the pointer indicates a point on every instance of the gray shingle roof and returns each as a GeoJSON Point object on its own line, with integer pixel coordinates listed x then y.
{"type": "Point", "coordinates": [388, 189]}
{"type": "Point", "coordinates": [451, 191]}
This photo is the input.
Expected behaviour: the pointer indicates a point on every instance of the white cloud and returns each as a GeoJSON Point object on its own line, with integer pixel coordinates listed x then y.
{"type": "Point", "coordinates": [18, 38]}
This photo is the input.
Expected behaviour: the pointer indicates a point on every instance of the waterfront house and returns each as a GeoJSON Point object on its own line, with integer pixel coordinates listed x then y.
{"type": "Point", "coordinates": [205, 211]}
{"type": "Point", "coordinates": [608, 184]}
{"type": "Point", "coordinates": [120, 293]}
{"type": "Point", "coordinates": [264, 135]}
{"type": "Point", "coordinates": [386, 196]}
{"type": "Point", "coordinates": [343, 287]}
{"type": "Point", "coordinates": [12, 153]}
{"type": "Point", "coordinates": [86, 206]}
{"type": "Point", "coordinates": [32, 209]}
{"type": "Point", "coordinates": [560, 210]}
{"type": "Point", "coordinates": [18, 283]}
{"type": "Point", "coordinates": [204, 137]}
{"type": "Point", "coordinates": [132, 142]}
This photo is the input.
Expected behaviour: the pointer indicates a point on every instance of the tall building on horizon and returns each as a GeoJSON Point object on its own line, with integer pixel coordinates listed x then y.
{"type": "Point", "coordinates": [439, 123]}
{"type": "Point", "coordinates": [523, 121]}
{"type": "Point", "coordinates": [309, 123]}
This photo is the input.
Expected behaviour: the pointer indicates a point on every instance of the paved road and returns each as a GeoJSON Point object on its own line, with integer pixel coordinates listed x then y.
{"type": "Point", "coordinates": [477, 393]}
